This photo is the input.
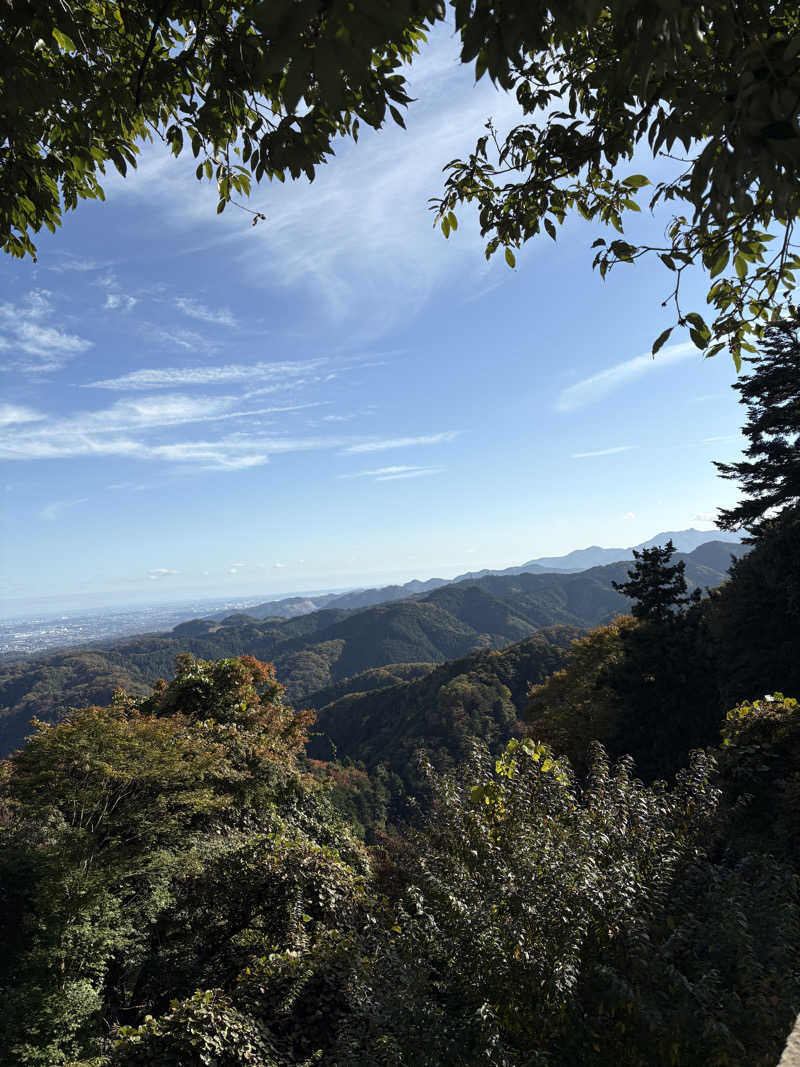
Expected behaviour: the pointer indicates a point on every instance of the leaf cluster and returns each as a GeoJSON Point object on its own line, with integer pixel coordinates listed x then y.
{"type": "Point", "coordinates": [713, 90]}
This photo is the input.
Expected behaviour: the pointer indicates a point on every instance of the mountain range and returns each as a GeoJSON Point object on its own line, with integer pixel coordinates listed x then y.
{"type": "Point", "coordinates": [594, 556]}
{"type": "Point", "coordinates": [322, 649]}
{"type": "Point", "coordinates": [579, 560]}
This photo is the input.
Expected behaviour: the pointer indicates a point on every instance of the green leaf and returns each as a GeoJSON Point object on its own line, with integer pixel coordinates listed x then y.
{"type": "Point", "coordinates": [636, 181]}
{"type": "Point", "coordinates": [662, 338]}
{"type": "Point", "coordinates": [697, 321]}
{"type": "Point", "coordinates": [65, 43]}
{"type": "Point", "coordinates": [548, 225]}
{"type": "Point", "coordinates": [720, 263]}
{"type": "Point", "coordinates": [510, 258]}
{"type": "Point", "coordinates": [700, 339]}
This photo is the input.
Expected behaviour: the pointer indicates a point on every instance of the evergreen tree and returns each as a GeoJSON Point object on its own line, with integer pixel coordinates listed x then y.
{"type": "Point", "coordinates": [770, 476]}
{"type": "Point", "coordinates": [658, 588]}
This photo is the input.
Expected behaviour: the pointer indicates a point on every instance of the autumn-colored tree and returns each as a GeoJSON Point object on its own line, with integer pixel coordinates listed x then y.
{"type": "Point", "coordinates": [154, 847]}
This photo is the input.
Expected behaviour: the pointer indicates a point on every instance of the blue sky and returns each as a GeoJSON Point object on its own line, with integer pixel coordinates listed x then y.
{"type": "Point", "coordinates": [337, 396]}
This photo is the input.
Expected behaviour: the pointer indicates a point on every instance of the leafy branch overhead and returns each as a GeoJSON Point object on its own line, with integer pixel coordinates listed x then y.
{"type": "Point", "coordinates": [257, 89]}
{"type": "Point", "coordinates": [262, 89]}
{"type": "Point", "coordinates": [711, 89]}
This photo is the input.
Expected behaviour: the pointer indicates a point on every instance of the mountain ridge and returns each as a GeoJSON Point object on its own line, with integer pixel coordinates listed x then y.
{"type": "Point", "coordinates": [578, 560]}
{"type": "Point", "coordinates": [318, 650]}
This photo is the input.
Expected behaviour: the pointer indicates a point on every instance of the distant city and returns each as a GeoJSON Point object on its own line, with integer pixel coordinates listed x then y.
{"type": "Point", "coordinates": [32, 633]}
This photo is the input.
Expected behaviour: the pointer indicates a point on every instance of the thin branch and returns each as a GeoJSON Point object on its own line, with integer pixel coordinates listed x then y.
{"type": "Point", "coordinates": [149, 50]}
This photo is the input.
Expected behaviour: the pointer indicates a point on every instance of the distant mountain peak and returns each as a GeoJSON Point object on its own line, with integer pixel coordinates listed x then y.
{"type": "Point", "coordinates": [581, 559]}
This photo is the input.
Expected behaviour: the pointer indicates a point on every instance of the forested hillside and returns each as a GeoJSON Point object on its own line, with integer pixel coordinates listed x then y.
{"type": "Point", "coordinates": [478, 697]}
{"type": "Point", "coordinates": [316, 650]}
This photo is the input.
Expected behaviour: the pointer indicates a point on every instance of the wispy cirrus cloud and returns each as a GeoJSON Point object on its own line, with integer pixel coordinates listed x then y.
{"type": "Point", "coordinates": [156, 574]}
{"type": "Point", "coordinates": [177, 377]}
{"type": "Point", "coordinates": [386, 474]}
{"type": "Point", "coordinates": [53, 510]}
{"type": "Point", "coordinates": [137, 428]}
{"type": "Point", "coordinates": [14, 414]}
{"type": "Point", "coordinates": [360, 238]}
{"type": "Point", "coordinates": [402, 442]}
{"type": "Point", "coordinates": [68, 263]}
{"type": "Point", "coordinates": [420, 472]}
{"type": "Point", "coordinates": [603, 452]}
{"type": "Point", "coordinates": [598, 386]}
{"type": "Point", "coordinates": [195, 310]}
{"type": "Point", "coordinates": [33, 344]}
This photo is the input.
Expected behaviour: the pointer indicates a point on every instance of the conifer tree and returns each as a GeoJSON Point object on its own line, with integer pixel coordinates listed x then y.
{"type": "Point", "coordinates": [657, 587]}
{"type": "Point", "coordinates": [770, 475]}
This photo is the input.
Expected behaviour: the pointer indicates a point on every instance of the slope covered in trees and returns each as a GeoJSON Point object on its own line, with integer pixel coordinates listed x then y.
{"type": "Point", "coordinates": [314, 651]}
{"type": "Point", "coordinates": [479, 697]}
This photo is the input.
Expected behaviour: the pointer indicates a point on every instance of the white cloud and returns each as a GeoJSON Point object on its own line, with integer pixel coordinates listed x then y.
{"type": "Point", "coordinates": [11, 414]}
{"type": "Point", "coordinates": [144, 413]}
{"type": "Point", "coordinates": [629, 515]}
{"type": "Point", "coordinates": [388, 474]}
{"type": "Point", "coordinates": [172, 377]}
{"type": "Point", "coordinates": [598, 386]}
{"type": "Point", "coordinates": [53, 510]}
{"type": "Point", "coordinates": [157, 573]}
{"type": "Point", "coordinates": [177, 337]}
{"type": "Point", "coordinates": [119, 301]}
{"type": "Point", "coordinates": [705, 516]}
{"type": "Point", "coordinates": [195, 310]}
{"type": "Point", "coordinates": [278, 566]}
{"type": "Point", "coordinates": [418, 473]}
{"type": "Point", "coordinates": [361, 236]}
{"type": "Point", "coordinates": [75, 264]}
{"type": "Point", "coordinates": [402, 442]}
{"type": "Point", "coordinates": [129, 487]}
{"type": "Point", "coordinates": [133, 427]}
{"type": "Point", "coordinates": [33, 344]}
{"type": "Point", "coordinates": [603, 452]}
{"type": "Point", "coordinates": [379, 471]}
